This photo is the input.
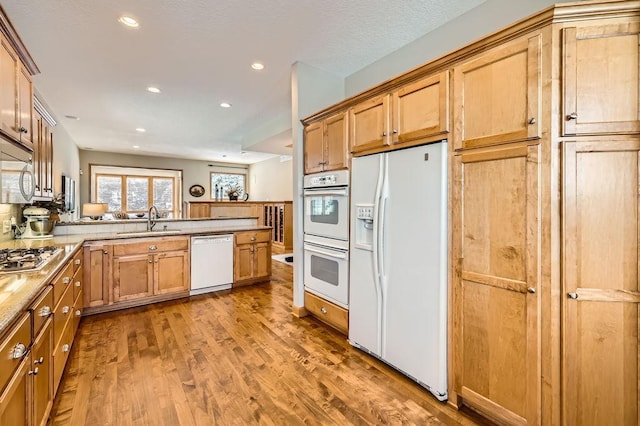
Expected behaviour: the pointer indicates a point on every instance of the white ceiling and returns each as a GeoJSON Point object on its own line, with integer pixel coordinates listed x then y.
{"type": "Point", "coordinates": [199, 52]}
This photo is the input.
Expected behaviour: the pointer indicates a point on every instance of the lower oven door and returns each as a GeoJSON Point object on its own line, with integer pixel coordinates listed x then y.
{"type": "Point", "coordinates": [326, 273]}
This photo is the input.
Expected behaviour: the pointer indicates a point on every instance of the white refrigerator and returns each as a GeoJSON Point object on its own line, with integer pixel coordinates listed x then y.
{"type": "Point", "coordinates": [398, 264]}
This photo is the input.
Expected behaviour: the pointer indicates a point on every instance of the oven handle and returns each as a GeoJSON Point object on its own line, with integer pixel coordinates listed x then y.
{"type": "Point", "coordinates": [338, 192]}
{"type": "Point", "coordinates": [325, 253]}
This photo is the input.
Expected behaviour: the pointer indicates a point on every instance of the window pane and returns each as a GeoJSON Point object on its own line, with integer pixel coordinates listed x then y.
{"type": "Point", "coordinates": [137, 194]}
{"type": "Point", "coordinates": [163, 193]}
{"type": "Point", "coordinates": [109, 190]}
{"type": "Point", "coordinates": [222, 182]}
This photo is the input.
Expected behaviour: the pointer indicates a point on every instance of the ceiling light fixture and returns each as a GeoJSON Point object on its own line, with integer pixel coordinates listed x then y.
{"type": "Point", "coordinates": [128, 21]}
{"type": "Point", "coordinates": [136, 146]}
{"type": "Point", "coordinates": [153, 89]}
{"type": "Point", "coordinates": [257, 66]}
{"type": "Point", "coordinates": [140, 129]}
{"type": "Point", "coordinates": [225, 105]}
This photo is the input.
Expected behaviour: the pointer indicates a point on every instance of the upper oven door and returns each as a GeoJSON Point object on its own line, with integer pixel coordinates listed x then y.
{"type": "Point", "coordinates": [326, 212]}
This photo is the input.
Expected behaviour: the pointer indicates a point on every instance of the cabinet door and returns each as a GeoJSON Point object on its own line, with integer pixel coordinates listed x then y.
{"type": "Point", "coordinates": [197, 211]}
{"type": "Point", "coordinates": [132, 277]}
{"type": "Point", "coordinates": [171, 273]}
{"type": "Point", "coordinates": [497, 96]}
{"type": "Point", "coordinates": [243, 262]}
{"type": "Point", "coordinates": [496, 230]}
{"type": "Point", "coordinates": [369, 125]}
{"type": "Point", "coordinates": [25, 107]}
{"type": "Point", "coordinates": [97, 275]}
{"type": "Point", "coordinates": [42, 371]}
{"type": "Point", "coordinates": [313, 148]}
{"type": "Point", "coordinates": [421, 109]}
{"type": "Point", "coordinates": [48, 162]}
{"type": "Point", "coordinates": [601, 295]}
{"type": "Point", "coordinates": [336, 156]}
{"type": "Point", "coordinates": [15, 401]}
{"type": "Point", "coordinates": [37, 153]}
{"type": "Point", "coordinates": [262, 260]}
{"type": "Point", "coordinates": [9, 93]}
{"type": "Point", "coordinates": [601, 89]}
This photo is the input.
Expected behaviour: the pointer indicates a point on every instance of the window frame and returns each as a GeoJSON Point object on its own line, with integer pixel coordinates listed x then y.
{"type": "Point", "coordinates": [212, 195]}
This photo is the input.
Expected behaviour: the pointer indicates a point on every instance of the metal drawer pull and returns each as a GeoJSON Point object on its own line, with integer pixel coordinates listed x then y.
{"type": "Point", "coordinates": [65, 310]}
{"type": "Point", "coordinates": [65, 348]}
{"type": "Point", "coordinates": [532, 120]}
{"type": "Point", "coordinates": [45, 311]}
{"type": "Point", "coordinates": [150, 261]}
{"type": "Point", "coordinates": [39, 361]}
{"type": "Point", "coordinates": [18, 351]}
{"type": "Point", "coordinates": [33, 372]}
{"type": "Point", "coordinates": [105, 252]}
{"type": "Point", "coordinates": [572, 295]}
{"type": "Point", "coordinates": [323, 310]}
{"type": "Point", "coordinates": [531, 290]}
{"type": "Point", "coordinates": [66, 280]}
{"type": "Point", "coordinates": [253, 238]}
{"type": "Point", "coordinates": [572, 116]}
{"type": "Point", "coordinates": [153, 248]}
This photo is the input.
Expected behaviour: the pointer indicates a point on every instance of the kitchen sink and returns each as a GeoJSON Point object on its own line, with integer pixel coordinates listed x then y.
{"type": "Point", "coordinates": [149, 233]}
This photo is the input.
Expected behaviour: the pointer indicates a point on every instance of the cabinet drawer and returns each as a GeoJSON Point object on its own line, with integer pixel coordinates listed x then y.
{"type": "Point", "coordinates": [42, 309]}
{"type": "Point", "coordinates": [76, 282]}
{"type": "Point", "coordinates": [333, 315]}
{"type": "Point", "coordinates": [253, 237]}
{"type": "Point", "coordinates": [13, 348]}
{"type": "Point", "coordinates": [60, 355]}
{"type": "Point", "coordinates": [77, 312]}
{"type": "Point", "coordinates": [61, 281]}
{"type": "Point", "coordinates": [151, 246]}
{"type": "Point", "coordinates": [77, 261]}
{"type": "Point", "coordinates": [62, 314]}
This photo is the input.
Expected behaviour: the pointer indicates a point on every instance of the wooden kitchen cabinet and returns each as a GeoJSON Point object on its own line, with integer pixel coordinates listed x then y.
{"type": "Point", "coordinates": [252, 257]}
{"type": "Point", "coordinates": [496, 96]}
{"type": "Point", "coordinates": [97, 276]}
{"type": "Point", "coordinates": [42, 157]}
{"type": "Point", "coordinates": [369, 125]}
{"type": "Point", "coordinates": [15, 400]}
{"type": "Point", "coordinates": [143, 268]}
{"type": "Point", "coordinates": [24, 115]}
{"type": "Point", "coordinates": [9, 64]}
{"type": "Point", "coordinates": [325, 145]}
{"type": "Point", "coordinates": [601, 87]}
{"type": "Point", "coordinates": [420, 110]}
{"type": "Point", "coordinates": [42, 373]}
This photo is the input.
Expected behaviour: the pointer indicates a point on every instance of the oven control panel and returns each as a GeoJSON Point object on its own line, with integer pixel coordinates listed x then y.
{"type": "Point", "coordinates": [323, 180]}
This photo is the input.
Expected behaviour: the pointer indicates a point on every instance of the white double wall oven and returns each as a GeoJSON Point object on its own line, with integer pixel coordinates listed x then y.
{"type": "Point", "coordinates": [326, 236]}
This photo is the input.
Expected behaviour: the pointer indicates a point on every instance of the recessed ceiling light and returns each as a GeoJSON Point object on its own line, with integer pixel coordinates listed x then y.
{"type": "Point", "coordinates": [257, 66]}
{"type": "Point", "coordinates": [72, 117]}
{"type": "Point", "coordinates": [136, 146]}
{"type": "Point", "coordinates": [128, 21]}
{"type": "Point", "coordinates": [225, 105]}
{"type": "Point", "coordinates": [224, 155]}
{"type": "Point", "coordinates": [141, 130]}
{"type": "Point", "coordinates": [153, 89]}
{"type": "Point", "coordinates": [243, 152]}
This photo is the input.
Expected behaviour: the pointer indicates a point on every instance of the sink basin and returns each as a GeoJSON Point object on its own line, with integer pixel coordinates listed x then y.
{"type": "Point", "coordinates": [149, 233]}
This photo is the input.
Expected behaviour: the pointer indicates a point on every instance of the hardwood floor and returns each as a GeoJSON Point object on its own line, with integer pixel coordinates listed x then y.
{"type": "Point", "coordinates": [233, 357]}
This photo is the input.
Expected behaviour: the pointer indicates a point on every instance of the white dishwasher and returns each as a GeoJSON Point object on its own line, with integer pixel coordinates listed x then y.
{"type": "Point", "coordinates": [211, 263]}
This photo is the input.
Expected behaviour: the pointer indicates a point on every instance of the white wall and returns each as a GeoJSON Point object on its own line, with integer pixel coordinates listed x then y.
{"type": "Point", "coordinates": [66, 161]}
{"type": "Point", "coordinates": [477, 23]}
{"type": "Point", "coordinates": [271, 180]}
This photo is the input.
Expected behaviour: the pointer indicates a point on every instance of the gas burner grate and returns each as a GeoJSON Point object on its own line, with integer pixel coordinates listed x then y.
{"type": "Point", "coordinates": [27, 259]}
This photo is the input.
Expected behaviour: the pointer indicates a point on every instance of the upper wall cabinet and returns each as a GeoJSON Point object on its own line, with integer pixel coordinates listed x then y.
{"type": "Point", "coordinates": [369, 125]}
{"type": "Point", "coordinates": [497, 95]}
{"type": "Point", "coordinates": [325, 145]}
{"type": "Point", "coordinates": [421, 109]}
{"type": "Point", "coordinates": [601, 90]}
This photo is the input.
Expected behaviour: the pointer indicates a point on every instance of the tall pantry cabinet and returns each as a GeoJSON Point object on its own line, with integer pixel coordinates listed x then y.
{"type": "Point", "coordinates": [544, 290]}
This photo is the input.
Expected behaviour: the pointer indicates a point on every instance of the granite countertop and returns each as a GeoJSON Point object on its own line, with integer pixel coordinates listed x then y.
{"type": "Point", "coordinates": [19, 289]}
{"type": "Point", "coordinates": [144, 220]}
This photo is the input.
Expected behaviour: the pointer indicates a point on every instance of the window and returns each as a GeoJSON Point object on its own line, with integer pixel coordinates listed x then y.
{"type": "Point", "coordinates": [134, 190]}
{"type": "Point", "coordinates": [221, 182]}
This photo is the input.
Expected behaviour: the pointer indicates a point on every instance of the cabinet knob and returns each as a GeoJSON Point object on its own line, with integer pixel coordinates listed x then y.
{"type": "Point", "coordinates": [33, 372]}
{"type": "Point", "coordinates": [572, 116]}
{"type": "Point", "coordinates": [531, 290]}
{"type": "Point", "coordinates": [78, 313]}
{"type": "Point", "coordinates": [105, 252]}
{"type": "Point", "coordinates": [532, 120]}
{"type": "Point", "coordinates": [65, 347]}
{"type": "Point", "coordinates": [39, 361]}
{"type": "Point", "coordinates": [45, 311]}
{"type": "Point", "coordinates": [18, 351]}
{"type": "Point", "coordinates": [66, 310]}
{"type": "Point", "coordinates": [78, 284]}
{"type": "Point", "coordinates": [22, 130]}
{"type": "Point", "coordinates": [395, 131]}
{"type": "Point", "coordinates": [66, 280]}
{"type": "Point", "coordinates": [150, 261]}
{"type": "Point", "coordinates": [76, 262]}
{"type": "Point", "coordinates": [384, 134]}
{"type": "Point", "coordinates": [572, 295]}
{"type": "Point", "coordinates": [323, 310]}
{"type": "Point", "coordinates": [253, 238]}
{"type": "Point", "coordinates": [153, 248]}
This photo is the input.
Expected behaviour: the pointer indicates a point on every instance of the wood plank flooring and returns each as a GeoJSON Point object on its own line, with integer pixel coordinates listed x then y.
{"type": "Point", "coordinates": [232, 358]}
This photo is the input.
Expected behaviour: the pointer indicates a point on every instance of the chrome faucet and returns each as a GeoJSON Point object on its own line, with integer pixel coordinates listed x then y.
{"type": "Point", "coordinates": [151, 222]}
